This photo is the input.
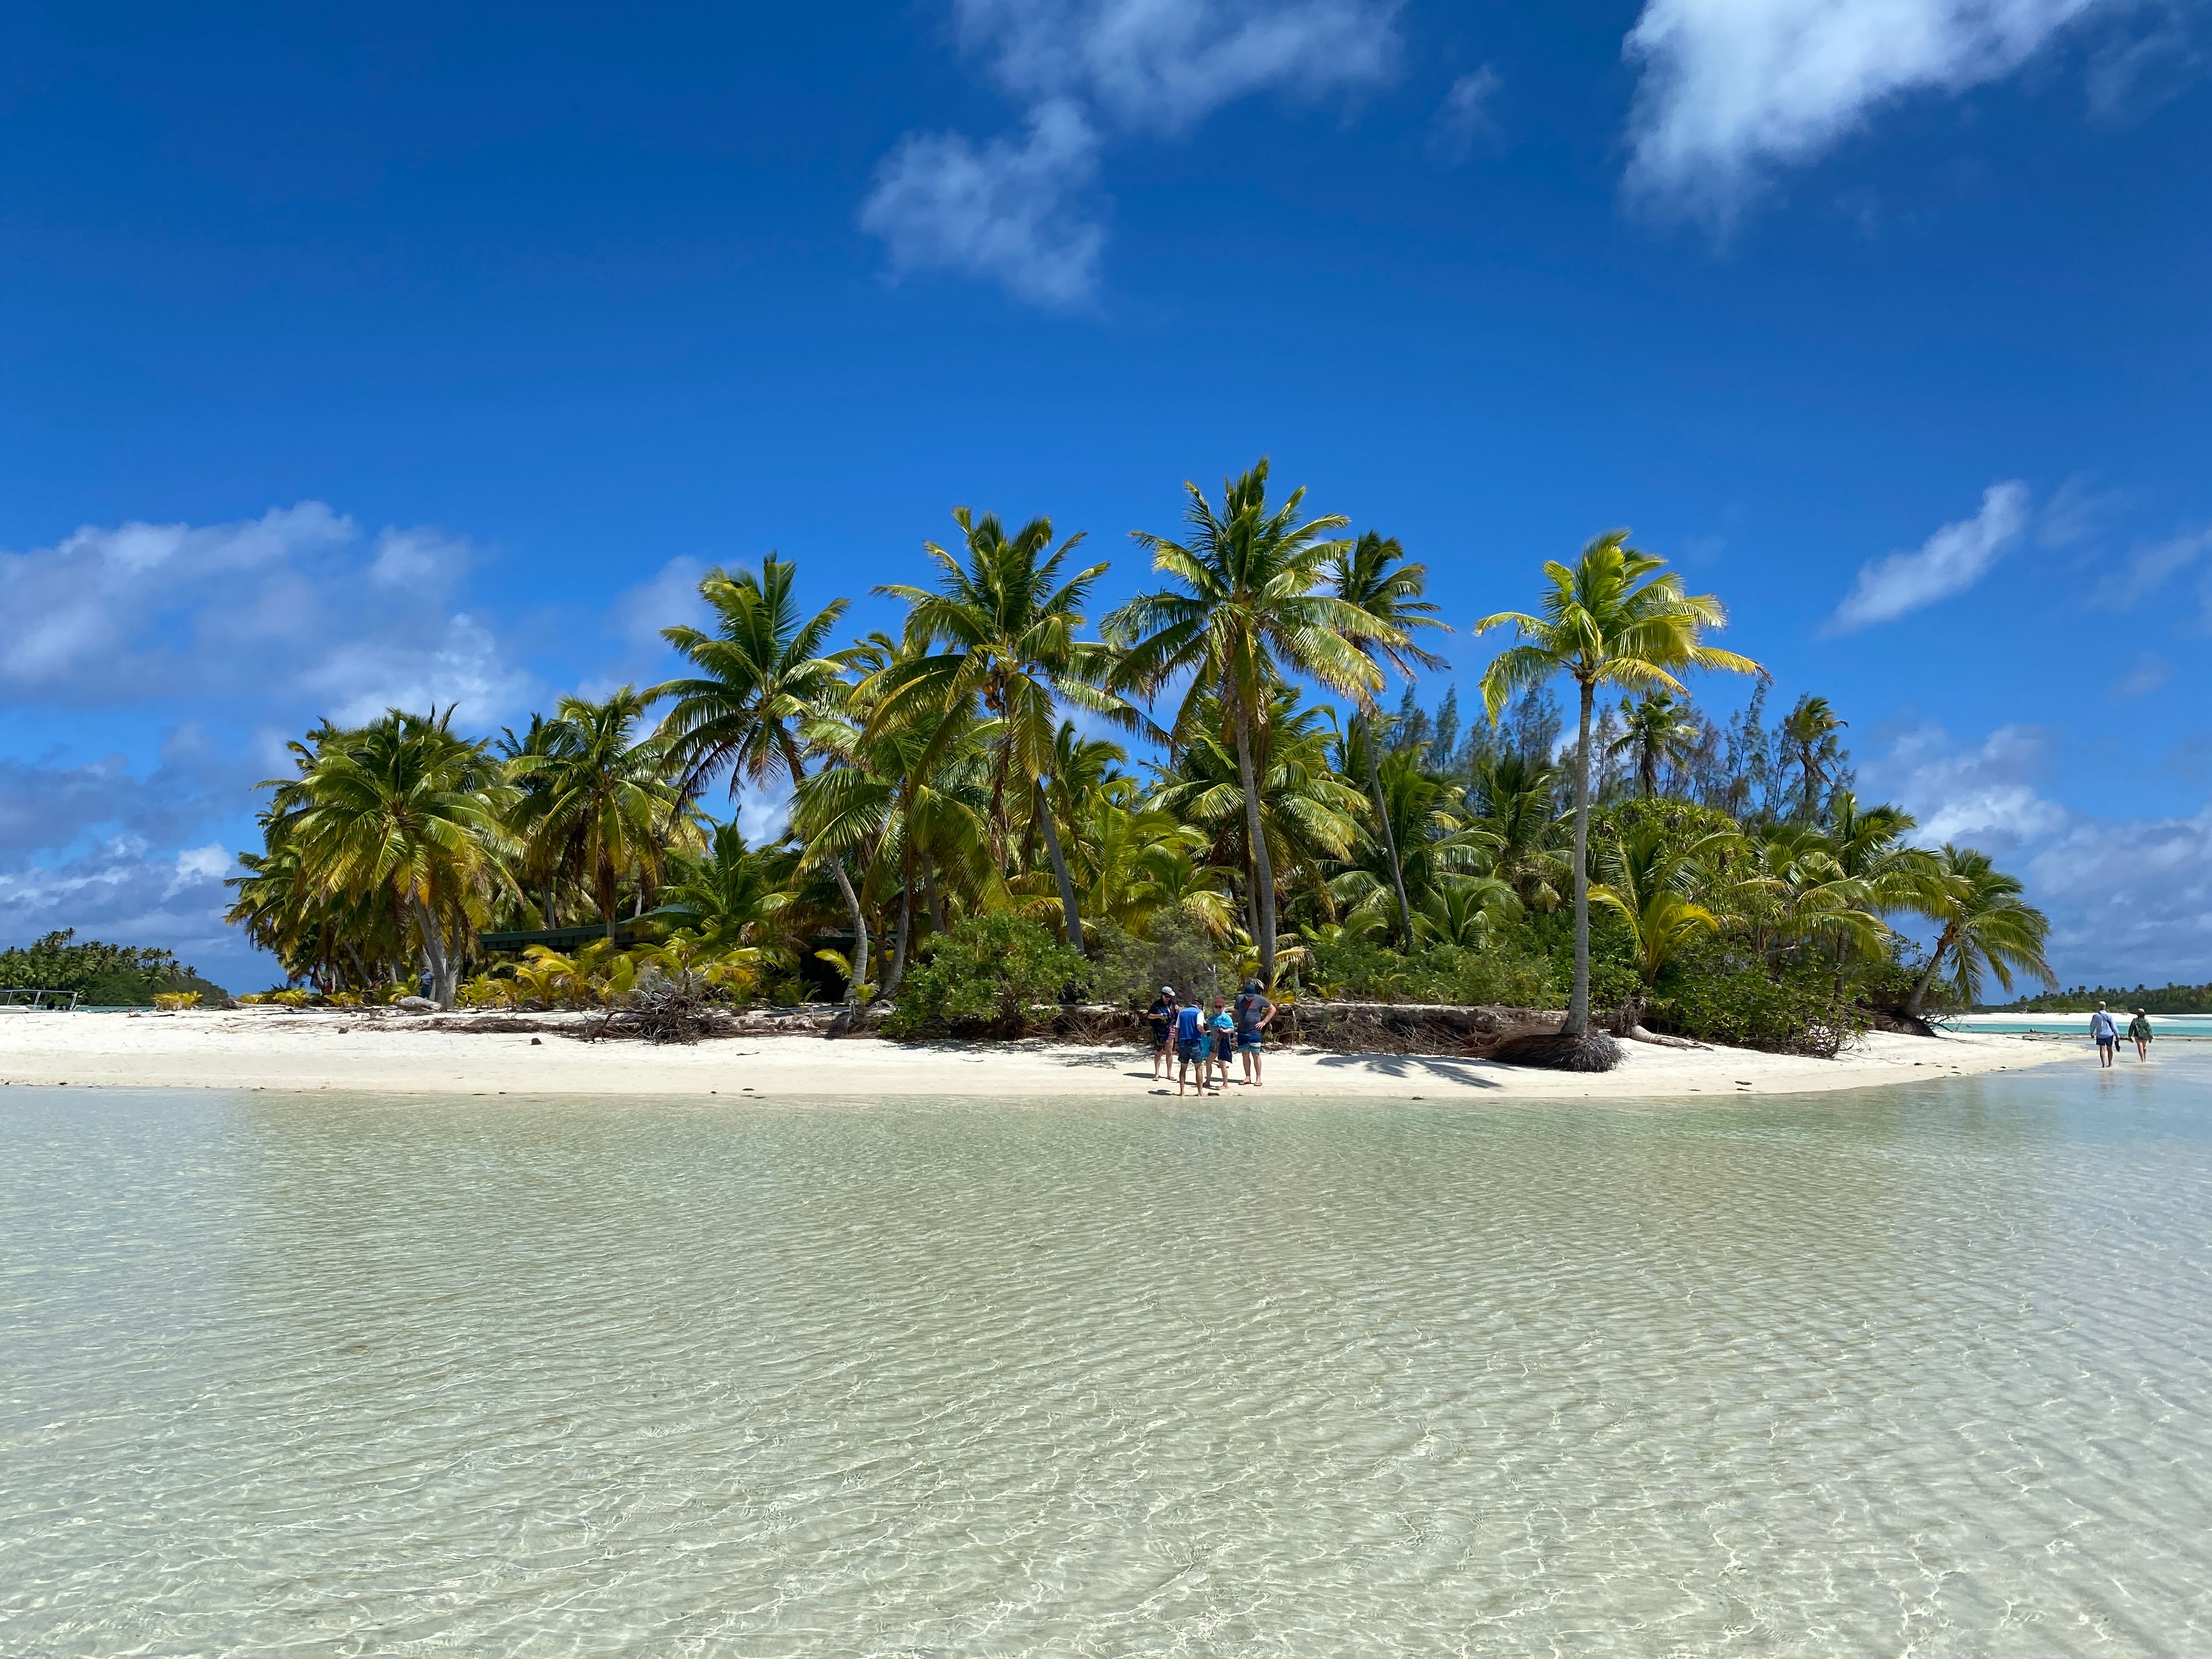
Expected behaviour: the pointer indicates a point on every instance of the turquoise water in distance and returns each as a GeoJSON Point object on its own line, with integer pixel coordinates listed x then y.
{"type": "Point", "coordinates": [1921, 1370]}
{"type": "Point", "coordinates": [2180, 1026]}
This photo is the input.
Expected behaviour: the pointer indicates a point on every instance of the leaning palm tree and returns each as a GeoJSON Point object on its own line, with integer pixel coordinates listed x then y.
{"type": "Point", "coordinates": [1373, 577]}
{"type": "Point", "coordinates": [1005, 621]}
{"type": "Point", "coordinates": [1987, 928]}
{"type": "Point", "coordinates": [1655, 729]}
{"type": "Point", "coordinates": [761, 674]}
{"type": "Point", "coordinates": [1609, 619]}
{"type": "Point", "coordinates": [1246, 609]}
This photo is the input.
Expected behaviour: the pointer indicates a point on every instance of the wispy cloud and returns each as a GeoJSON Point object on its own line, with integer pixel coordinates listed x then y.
{"type": "Point", "coordinates": [1007, 211]}
{"type": "Point", "coordinates": [1732, 89]}
{"type": "Point", "coordinates": [1950, 562]}
{"type": "Point", "coordinates": [1466, 115]}
{"type": "Point", "coordinates": [2149, 567]}
{"type": "Point", "coordinates": [1024, 211]}
{"type": "Point", "coordinates": [2146, 675]}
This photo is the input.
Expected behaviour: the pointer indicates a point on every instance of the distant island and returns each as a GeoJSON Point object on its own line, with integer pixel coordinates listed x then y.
{"type": "Point", "coordinates": [2083, 1000]}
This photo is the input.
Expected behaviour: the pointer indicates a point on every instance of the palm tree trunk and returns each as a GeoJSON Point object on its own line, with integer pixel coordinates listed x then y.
{"type": "Point", "coordinates": [1577, 1021]}
{"type": "Point", "coordinates": [1390, 836]}
{"type": "Point", "coordinates": [859, 933]}
{"type": "Point", "coordinates": [1263, 871]}
{"type": "Point", "coordinates": [434, 956]}
{"type": "Point", "coordinates": [1927, 975]}
{"type": "Point", "coordinates": [898, 973]}
{"type": "Point", "coordinates": [1043, 820]}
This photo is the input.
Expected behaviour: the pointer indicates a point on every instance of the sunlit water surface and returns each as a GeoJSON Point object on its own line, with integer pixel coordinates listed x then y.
{"type": "Point", "coordinates": [1916, 1372]}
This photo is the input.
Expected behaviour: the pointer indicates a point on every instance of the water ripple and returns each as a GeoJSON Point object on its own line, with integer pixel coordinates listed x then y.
{"type": "Point", "coordinates": [1918, 1372]}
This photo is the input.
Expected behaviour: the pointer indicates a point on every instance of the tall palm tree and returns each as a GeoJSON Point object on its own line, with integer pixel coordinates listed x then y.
{"type": "Point", "coordinates": [1248, 609]}
{"type": "Point", "coordinates": [1987, 928]}
{"type": "Point", "coordinates": [1007, 621]}
{"type": "Point", "coordinates": [1373, 577]}
{"type": "Point", "coordinates": [1609, 619]}
{"type": "Point", "coordinates": [407, 812]}
{"type": "Point", "coordinates": [1810, 730]}
{"type": "Point", "coordinates": [762, 673]}
{"type": "Point", "coordinates": [1656, 729]}
{"type": "Point", "coordinates": [604, 803]}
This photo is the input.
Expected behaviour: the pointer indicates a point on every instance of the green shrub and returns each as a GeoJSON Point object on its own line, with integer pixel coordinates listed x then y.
{"type": "Point", "coordinates": [982, 979]}
{"type": "Point", "coordinates": [1129, 968]}
{"type": "Point", "coordinates": [1744, 1004]}
{"type": "Point", "coordinates": [1360, 969]}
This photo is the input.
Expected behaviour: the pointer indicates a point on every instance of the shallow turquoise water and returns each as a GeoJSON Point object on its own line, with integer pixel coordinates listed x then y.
{"type": "Point", "coordinates": [1923, 1370]}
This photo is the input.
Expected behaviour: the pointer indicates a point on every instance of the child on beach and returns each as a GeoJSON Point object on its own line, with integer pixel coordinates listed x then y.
{"type": "Point", "coordinates": [1225, 1040]}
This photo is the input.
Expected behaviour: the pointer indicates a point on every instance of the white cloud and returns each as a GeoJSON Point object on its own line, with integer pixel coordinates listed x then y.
{"type": "Point", "coordinates": [1022, 212]}
{"type": "Point", "coordinates": [1982, 797]}
{"type": "Point", "coordinates": [285, 610]}
{"type": "Point", "coordinates": [1950, 562]}
{"type": "Point", "coordinates": [2149, 567]}
{"type": "Point", "coordinates": [1465, 115]}
{"type": "Point", "coordinates": [2129, 903]}
{"type": "Point", "coordinates": [1733, 88]}
{"type": "Point", "coordinates": [1165, 65]}
{"type": "Point", "coordinates": [1006, 211]}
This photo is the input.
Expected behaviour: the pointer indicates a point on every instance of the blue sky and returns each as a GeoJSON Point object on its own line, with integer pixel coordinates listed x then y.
{"type": "Point", "coordinates": [431, 351]}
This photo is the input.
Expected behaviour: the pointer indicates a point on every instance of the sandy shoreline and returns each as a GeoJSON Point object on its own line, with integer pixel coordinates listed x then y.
{"type": "Point", "coordinates": [289, 1050]}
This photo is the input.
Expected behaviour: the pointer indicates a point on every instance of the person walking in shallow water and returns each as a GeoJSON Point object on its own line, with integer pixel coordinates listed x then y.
{"type": "Point", "coordinates": [2139, 1029]}
{"type": "Point", "coordinates": [2106, 1030]}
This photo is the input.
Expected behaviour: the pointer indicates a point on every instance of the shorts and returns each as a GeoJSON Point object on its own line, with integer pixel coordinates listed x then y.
{"type": "Point", "coordinates": [1192, 1054]}
{"type": "Point", "coordinates": [1161, 1041]}
{"type": "Point", "coordinates": [2108, 1042]}
{"type": "Point", "coordinates": [1249, 1041]}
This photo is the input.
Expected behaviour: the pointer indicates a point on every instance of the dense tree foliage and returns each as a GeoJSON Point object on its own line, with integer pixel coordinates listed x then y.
{"type": "Point", "coordinates": [101, 975]}
{"type": "Point", "coordinates": [967, 821]}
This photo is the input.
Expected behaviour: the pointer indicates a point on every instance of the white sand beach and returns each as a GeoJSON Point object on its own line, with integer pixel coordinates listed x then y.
{"type": "Point", "coordinates": [283, 1050]}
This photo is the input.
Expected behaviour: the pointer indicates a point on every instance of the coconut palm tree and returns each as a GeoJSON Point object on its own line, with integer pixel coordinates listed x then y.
{"type": "Point", "coordinates": [1249, 609]}
{"type": "Point", "coordinates": [1373, 577]}
{"type": "Point", "coordinates": [1649, 877]}
{"type": "Point", "coordinates": [604, 803]}
{"type": "Point", "coordinates": [1007, 621]}
{"type": "Point", "coordinates": [405, 811]}
{"type": "Point", "coordinates": [1609, 619]}
{"type": "Point", "coordinates": [761, 674]}
{"type": "Point", "coordinates": [1987, 928]}
{"type": "Point", "coordinates": [1512, 798]}
{"type": "Point", "coordinates": [1431, 840]}
{"type": "Point", "coordinates": [1810, 730]}
{"type": "Point", "coordinates": [1656, 730]}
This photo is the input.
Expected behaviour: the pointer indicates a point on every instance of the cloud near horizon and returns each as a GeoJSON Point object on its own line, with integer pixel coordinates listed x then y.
{"type": "Point", "coordinates": [1950, 562]}
{"type": "Point", "coordinates": [1022, 212]}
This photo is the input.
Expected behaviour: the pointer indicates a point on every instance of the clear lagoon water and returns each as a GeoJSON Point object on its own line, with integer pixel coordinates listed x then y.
{"type": "Point", "coordinates": [1926, 1370]}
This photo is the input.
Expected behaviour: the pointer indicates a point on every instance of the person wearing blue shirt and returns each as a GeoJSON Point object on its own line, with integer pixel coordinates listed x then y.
{"type": "Point", "coordinates": [1191, 1044]}
{"type": "Point", "coordinates": [2106, 1030]}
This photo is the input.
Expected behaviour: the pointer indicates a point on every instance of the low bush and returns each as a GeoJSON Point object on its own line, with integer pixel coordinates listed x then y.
{"type": "Point", "coordinates": [982, 979]}
{"type": "Point", "coordinates": [1362, 970]}
{"type": "Point", "coordinates": [1746, 1005]}
{"type": "Point", "coordinates": [1129, 968]}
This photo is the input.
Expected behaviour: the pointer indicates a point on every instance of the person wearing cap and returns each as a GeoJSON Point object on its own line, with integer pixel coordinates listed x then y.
{"type": "Point", "coordinates": [1254, 1010]}
{"type": "Point", "coordinates": [1191, 1045]}
{"type": "Point", "coordinates": [1161, 1018]}
{"type": "Point", "coordinates": [2139, 1029]}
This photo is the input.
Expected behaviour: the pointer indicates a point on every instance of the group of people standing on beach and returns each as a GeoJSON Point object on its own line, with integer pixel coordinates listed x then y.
{"type": "Point", "coordinates": [2106, 1030]}
{"type": "Point", "coordinates": [1188, 1038]}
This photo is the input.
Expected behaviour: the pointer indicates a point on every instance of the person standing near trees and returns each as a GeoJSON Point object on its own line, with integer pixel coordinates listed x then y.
{"type": "Point", "coordinates": [1161, 1018]}
{"type": "Point", "coordinates": [1191, 1045]}
{"type": "Point", "coordinates": [2139, 1029]}
{"type": "Point", "coordinates": [1254, 1010]}
{"type": "Point", "coordinates": [2106, 1030]}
